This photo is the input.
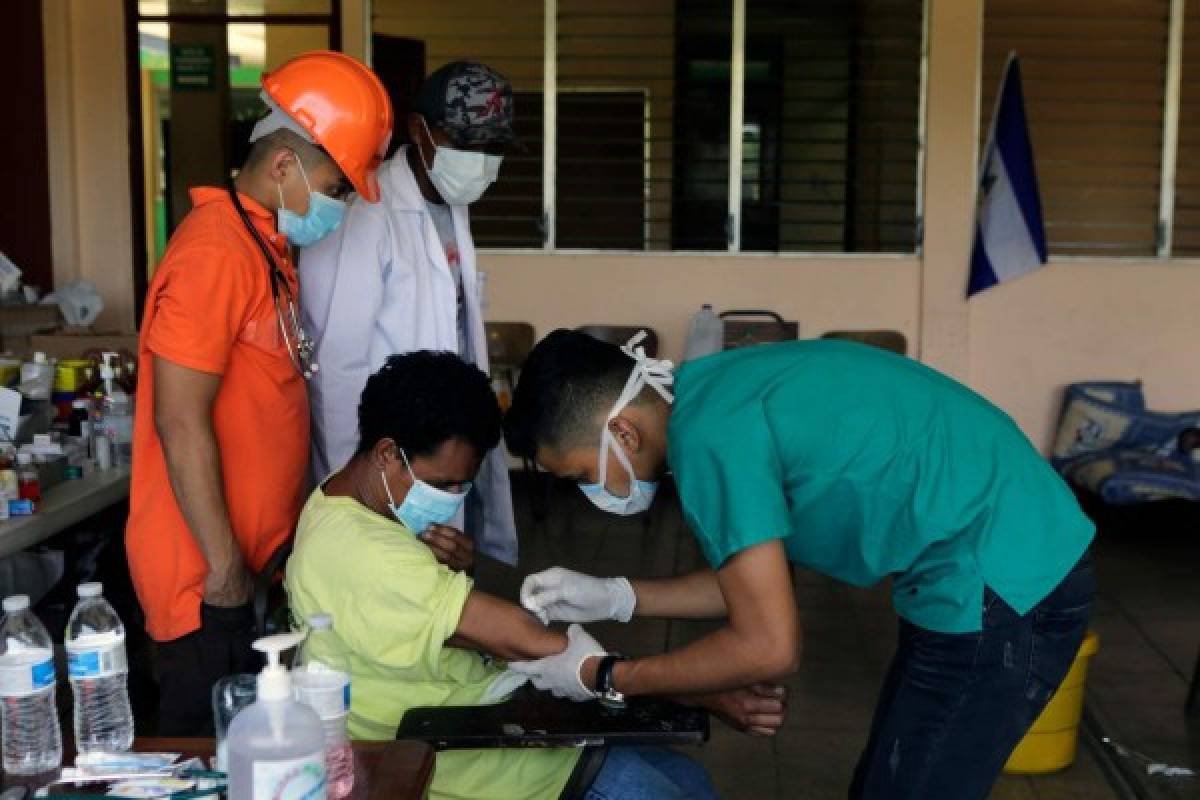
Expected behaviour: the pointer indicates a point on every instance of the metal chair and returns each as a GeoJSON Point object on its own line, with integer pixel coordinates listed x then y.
{"type": "Point", "coordinates": [893, 341]}
{"type": "Point", "coordinates": [744, 327]}
{"type": "Point", "coordinates": [508, 343]}
{"type": "Point", "coordinates": [269, 598]}
{"type": "Point", "coordinates": [621, 334]}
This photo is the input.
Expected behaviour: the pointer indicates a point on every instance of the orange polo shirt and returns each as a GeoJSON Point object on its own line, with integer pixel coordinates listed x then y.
{"type": "Point", "coordinates": [210, 308]}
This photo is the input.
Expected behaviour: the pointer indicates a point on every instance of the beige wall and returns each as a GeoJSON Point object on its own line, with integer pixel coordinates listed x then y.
{"type": "Point", "coordinates": [87, 115]}
{"type": "Point", "coordinates": [663, 291]}
{"type": "Point", "coordinates": [1018, 344]}
{"type": "Point", "coordinates": [1086, 319]}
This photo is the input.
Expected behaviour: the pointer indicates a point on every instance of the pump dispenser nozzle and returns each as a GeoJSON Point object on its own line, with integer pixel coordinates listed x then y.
{"type": "Point", "coordinates": [275, 682]}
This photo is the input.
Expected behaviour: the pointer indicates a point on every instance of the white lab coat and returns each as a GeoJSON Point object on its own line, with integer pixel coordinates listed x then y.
{"type": "Point", "coordinates": [381, 285]}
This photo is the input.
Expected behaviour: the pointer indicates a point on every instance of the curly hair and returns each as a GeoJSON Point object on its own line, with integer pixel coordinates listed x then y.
{"type": "Point", "coordinates": [423, 399]}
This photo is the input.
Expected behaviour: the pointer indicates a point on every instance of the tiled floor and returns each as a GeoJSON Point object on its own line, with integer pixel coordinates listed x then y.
{"type": "Point", "coordinates": [1148, 618]}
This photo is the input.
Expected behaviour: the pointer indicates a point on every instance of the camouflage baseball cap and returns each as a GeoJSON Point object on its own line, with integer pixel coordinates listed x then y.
{"type": "Point", "coordinates": [470, 101]}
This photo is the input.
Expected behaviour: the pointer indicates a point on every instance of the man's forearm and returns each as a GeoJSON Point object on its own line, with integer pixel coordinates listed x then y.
{"type": "Point", "coordinates": [725, 659]}
{"type": "Point", "coordinates": [695, 595]}
{"type": "Point", "coordinates": [759, 643]}
{"type": "Point", "coordinates": [506, 631]}
{"type": "Point", "coordinates": [194, 468]}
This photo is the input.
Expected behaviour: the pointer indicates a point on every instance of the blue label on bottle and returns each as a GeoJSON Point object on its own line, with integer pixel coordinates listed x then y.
{"type": "Point", "coordinates": [346, 695]}
{"type": "Point", "coordinates": [83, 664]}
{"type": "Point", "coordinates": [43, 674]}
{"type": "Point", "coordinates": [20, 508]}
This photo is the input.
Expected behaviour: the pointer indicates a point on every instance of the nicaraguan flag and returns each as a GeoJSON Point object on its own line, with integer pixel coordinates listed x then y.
{"type": "Point", "coordinates": [1009, 237]}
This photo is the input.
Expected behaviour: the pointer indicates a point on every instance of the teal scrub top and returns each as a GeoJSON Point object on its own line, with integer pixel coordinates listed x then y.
{"type": "Point", "coordinates": [868, 464]}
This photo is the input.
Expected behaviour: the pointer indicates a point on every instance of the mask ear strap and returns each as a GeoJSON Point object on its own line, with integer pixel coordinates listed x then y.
{"type": "Point", "coordinates": [621, 457]}
{"type": "Point", "coordinates": [404, 456]}
{"type": "Point", "coordinates": [606, 441]}
{"type": "Point", "coordinates": [429, 133]}
{"type": "Point", "coordinates": [386, 488]}
{"type": "Point", "coordinates": [303, 174]}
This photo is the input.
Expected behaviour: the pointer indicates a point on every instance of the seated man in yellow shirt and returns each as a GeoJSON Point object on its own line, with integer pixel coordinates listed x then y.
{"type": "Point", "coordinates": [415, 632]}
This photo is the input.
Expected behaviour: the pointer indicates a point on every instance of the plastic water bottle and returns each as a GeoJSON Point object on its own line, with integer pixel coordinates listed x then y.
{"type": "Point", "coordinates": [321, 680]}
{"type": "Point", "coordinates": [32, 739]}
{"type": "Point", "coordinates": [118, 415]}
{"type": "Point", "coordinates": [37, 377]}
{"type": "Point", "coordinates": [707, 334]}
{"type": "Point", "coordinates": [276, 745]}
{"type": "Point", "coordinates": [99, 674]}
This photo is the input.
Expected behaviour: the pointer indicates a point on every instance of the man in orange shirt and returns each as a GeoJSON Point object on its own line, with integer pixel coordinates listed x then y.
{"type": "Point", "coordinates": [221, 433]}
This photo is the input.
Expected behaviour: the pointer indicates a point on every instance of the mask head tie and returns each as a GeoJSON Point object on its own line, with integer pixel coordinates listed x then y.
{"type": "Point", "coordinates": [653, 372]}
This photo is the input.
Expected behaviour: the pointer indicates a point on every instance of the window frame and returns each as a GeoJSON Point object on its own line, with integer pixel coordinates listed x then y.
{"type": "Point", "coordinates": [733, 222]}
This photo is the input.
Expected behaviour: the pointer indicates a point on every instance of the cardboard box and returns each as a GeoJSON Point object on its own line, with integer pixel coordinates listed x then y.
{"type": "Point", "coordinates": [18, 323]}
{"type": "Point", "coordinates": [62, 344]}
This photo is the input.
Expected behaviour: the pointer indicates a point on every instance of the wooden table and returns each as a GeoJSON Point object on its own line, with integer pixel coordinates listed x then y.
{"type": "Point", "coordinates": [400, 770]}
{"type": "Point", "coordinates": [64, 505]}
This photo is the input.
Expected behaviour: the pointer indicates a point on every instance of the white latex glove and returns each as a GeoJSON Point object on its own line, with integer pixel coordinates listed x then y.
{"type": "Point", "coordinates": [559, 674]}
{"type": "Point", "coordinates": [563, 594]}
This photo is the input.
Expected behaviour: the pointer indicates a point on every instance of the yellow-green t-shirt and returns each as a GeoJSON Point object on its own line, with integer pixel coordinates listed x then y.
{"type": "Point", "coordinates": [393, 608]}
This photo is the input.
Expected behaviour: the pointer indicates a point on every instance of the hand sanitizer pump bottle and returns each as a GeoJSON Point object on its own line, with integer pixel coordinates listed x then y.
{"type": "Point", "coordinates": [276, 745]}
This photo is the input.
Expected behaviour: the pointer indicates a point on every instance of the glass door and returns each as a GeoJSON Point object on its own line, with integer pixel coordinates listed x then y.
{"type": "Point", "coordinates": [199, 68]}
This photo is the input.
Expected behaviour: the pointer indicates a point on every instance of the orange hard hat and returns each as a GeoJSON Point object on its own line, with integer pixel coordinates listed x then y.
{"type": "Point", "coordinates": [342, 105]}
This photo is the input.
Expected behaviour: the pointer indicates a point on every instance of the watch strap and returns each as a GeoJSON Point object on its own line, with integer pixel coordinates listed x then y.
{"type": "Point", "coordinates": [604, 672]}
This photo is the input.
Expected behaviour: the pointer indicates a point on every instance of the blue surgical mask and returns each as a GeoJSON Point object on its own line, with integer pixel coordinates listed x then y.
{"type": "Point", "coordinates": [640, 497]}
{"type": "Point", "coordinates": [324, 215]}
{"type": "Point", "coordinates": [646, 372]}
{"type": "Point", "coordinates": [424, 505]}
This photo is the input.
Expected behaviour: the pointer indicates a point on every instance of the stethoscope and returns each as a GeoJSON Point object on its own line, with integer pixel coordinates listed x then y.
{"type": "Point", "coordinates": [300, 345]}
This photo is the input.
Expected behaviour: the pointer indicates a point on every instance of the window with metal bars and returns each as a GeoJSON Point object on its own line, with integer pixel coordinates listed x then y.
{"type": "Point", "coordinates": [1093, 76]}
{"type": "Point", "coordinates": [1186, 223]}
{"type": "Point", "coordinates": [422, 35]}
{"type": "Point", "coordinates": [643, 105]}
{"type": "Point", "coordinates": [830, 126]}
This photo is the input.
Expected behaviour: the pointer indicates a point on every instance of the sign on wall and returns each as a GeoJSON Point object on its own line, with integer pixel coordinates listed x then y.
{"type": "Point", "coordinates": [193, 67]}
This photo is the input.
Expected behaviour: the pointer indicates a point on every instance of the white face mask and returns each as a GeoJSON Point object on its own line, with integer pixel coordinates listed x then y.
{"type": "Point", "coordinates": [461, 176]}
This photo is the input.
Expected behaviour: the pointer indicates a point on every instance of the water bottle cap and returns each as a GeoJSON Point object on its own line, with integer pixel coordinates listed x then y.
{"type": "Point", "coordinates": [707, 307]}
{"type": "Point", "coordinates": [90, 589]}
{"type": "Point", "coordinates": [15, 603]}
{"type": "Point", "coordinates": [320, 621]}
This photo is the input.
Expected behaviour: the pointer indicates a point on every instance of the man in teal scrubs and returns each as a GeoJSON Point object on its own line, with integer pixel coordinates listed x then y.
{"type": "Point", "coordinates": [852, 461]}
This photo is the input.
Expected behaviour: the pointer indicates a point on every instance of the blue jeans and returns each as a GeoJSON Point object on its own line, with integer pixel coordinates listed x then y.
{"type": "Point", "coordinates": [953, 706]}
{"type": "Point", "coordinates": [650, 773]}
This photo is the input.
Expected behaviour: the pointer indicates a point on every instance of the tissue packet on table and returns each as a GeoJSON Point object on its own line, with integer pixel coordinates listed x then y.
{"type": "Point", "coordinates": [98, 763]}
{"type": "Point", "coordinates": [149, 788]}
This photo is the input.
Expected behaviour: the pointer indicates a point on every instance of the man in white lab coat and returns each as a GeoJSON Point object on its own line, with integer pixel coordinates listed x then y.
{"type": "Point", "coordinates": [400, 276]}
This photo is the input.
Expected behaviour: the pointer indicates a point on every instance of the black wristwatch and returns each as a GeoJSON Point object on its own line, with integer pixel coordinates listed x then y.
{"type": "Point", "coordinates": [606, 693]}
